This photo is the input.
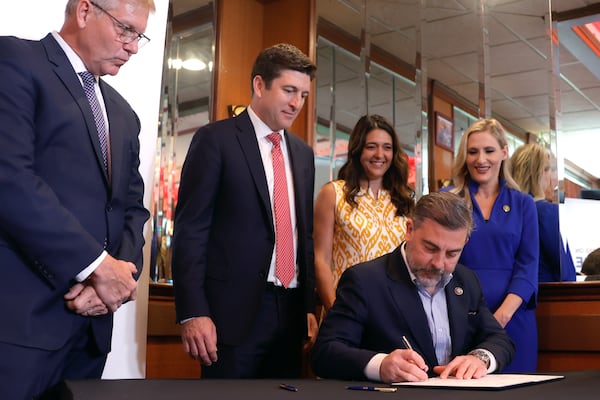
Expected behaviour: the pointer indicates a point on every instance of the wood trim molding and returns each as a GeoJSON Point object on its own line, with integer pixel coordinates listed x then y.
{"type": "Point", "coordinates": [586, 11]}
{"type": "Point", "coordinates": [193, 18]}
{"type": "Point", "coordinates": [570, 291]}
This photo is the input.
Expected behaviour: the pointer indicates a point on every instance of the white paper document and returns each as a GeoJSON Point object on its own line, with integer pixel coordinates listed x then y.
{"type": "Point", "coordinates": [490, 382]}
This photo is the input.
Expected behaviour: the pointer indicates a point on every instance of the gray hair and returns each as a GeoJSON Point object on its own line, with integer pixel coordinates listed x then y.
{"type": "Point", "coordinates": [447, 209]}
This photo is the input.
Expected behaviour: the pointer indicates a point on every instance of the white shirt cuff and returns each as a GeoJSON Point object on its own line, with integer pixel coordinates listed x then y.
{"type": "Point", "coordinates": [372, 369]}
{"type": "Point", "coordinates": [83, 275]}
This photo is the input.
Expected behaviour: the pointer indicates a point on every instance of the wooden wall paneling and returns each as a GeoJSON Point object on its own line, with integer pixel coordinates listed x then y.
{"type": "Point", "coordinates": [299, 31]}
{"type": "Point", "coordinates": [238, 31]}
{"type": "Point", "coordinates": [165, 357]}
{"type": "Point", "coordinates": [442, 159]}
{"type": "Point", "coordinates": [568, 317]}
{"type": "Point", "coordinates": [571, 189]}
{"type": "Point", "coordinates": [166, 360]}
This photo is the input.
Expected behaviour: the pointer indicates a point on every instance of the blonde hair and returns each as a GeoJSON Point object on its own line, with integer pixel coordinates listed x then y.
{"type": "Point", "coordinates": [460, 172]}
{"type": "Point", "coordinates": [527, 167]}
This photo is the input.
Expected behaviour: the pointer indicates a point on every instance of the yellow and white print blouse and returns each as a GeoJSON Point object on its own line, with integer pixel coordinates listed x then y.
{"type": "Point", "coordinates": [365, 232]}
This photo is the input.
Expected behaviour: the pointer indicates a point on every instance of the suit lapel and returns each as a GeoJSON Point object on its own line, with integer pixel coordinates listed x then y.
{"type": "Point", "coordinates": [457, 313]}
{"type": "Point", "coordinates": [249, 146]}
{"type": "Point", "coordinates": [66, 74]}
{"type": "Point", "coordinates": [407, 301]}
{"type": "Point", "coordinates": [115, 141]}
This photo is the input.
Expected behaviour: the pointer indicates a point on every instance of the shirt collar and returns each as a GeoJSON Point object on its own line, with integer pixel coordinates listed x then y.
{"type": "Point", "coordinates": [260, 128]}
{"type": "Point", "coordinates": [74, 59]}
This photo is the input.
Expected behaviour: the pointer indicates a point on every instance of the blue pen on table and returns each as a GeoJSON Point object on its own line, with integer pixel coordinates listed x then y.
{"type": "Point", "coordinates": [288, 387]}
{"type": "Point", "coordinates": [372, 388]}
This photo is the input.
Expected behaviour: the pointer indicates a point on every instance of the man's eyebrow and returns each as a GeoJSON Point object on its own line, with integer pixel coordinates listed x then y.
{"type": "Point", "coordinates": [430, 243]}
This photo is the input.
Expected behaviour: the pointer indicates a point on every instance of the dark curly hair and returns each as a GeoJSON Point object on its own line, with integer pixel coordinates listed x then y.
{"type": "Point", "coordinates": [395, 179]}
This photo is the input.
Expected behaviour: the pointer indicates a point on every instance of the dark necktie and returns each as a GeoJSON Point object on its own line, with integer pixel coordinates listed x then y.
{"type": "Point", "coordinates": [284, 242]}
{"type": "Point", "coordinates": [88, 87]}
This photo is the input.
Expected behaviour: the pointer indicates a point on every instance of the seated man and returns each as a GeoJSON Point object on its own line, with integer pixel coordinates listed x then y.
{"type": "Point", "coordinates": [417, 296]}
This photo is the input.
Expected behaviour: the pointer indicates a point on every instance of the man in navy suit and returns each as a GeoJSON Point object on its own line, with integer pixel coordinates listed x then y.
{"type": "Point", "coordinates": [71, 217]}
{"type": "Point", "coordinates": [414, 312]}
{"type": "Point", "coordinates": [239, 319]}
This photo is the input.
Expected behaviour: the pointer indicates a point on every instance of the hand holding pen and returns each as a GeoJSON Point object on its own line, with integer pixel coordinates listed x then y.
{"type": "Point", "coordinates": [402, 365]}
{"type": "Point", "coordinates": [408, 346]}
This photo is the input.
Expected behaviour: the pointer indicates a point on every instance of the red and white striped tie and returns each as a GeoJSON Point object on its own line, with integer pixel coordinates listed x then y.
{"type": "Point", "coordinates": [284, 236]}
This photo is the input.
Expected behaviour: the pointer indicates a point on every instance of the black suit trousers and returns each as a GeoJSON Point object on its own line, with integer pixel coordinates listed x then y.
{"type": "Point", "coordinates": [274, 347]}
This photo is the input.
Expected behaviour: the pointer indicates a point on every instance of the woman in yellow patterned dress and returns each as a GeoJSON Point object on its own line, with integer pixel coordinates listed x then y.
{"type": "Point", "coordinates": [362, 215]}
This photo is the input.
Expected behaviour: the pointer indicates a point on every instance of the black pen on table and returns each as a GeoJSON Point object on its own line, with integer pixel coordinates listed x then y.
{"type": "Point", "coordinates": [288, 387]}
{"type": "Point", "coordinates": [372, 388]}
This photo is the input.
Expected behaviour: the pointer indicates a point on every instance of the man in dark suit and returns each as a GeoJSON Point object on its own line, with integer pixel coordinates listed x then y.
{"type": "Point", "coordinates": [71, 212]}
{"type": "Point", "coordinates": [239, 318]}
{"type": "Point", "coordinates": [416, 296]}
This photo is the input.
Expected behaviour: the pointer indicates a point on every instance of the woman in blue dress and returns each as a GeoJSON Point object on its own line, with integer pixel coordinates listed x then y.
{"type": "Point", "coordinates": [504, 247]}
{"type": "Point", "coordinates": [530, 167]}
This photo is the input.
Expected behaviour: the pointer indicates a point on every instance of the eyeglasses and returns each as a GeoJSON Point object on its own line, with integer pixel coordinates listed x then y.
{"type": "Point", "coordinates": [127, 34]}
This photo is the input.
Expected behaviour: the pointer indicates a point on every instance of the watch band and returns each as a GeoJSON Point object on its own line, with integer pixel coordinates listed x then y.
{"type": "Point", "coordinates": [482, 355]}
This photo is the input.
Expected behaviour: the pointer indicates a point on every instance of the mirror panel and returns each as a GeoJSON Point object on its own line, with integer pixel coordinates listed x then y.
{"type": "Point", "coordinates": [186, 88]}
{"type": "Point", "coordinates": [515, 60]}
{"type": "Point", "coordinates": [451, 46]}
{"type": "Point", "coordinates": [578, 168]}
{"type": "Point", "coordinates": [494, 57]}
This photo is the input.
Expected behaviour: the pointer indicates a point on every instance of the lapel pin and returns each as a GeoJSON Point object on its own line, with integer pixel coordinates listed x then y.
{"type": "Point", "coordinates": [458, 291]}
{"type": "Point", "coordinates": [506, 208]}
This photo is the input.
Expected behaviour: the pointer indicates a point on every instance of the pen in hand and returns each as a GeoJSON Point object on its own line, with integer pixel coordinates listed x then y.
{"type": "Point", "coordinates": [409, 347]}
{"type": "Point", "coordinates": [406, 343]}
{"type": "Point", "coordinates": [372, 388]}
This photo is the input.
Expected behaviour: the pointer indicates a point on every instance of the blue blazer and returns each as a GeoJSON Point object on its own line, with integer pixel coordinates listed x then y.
{"type": "Point", "coordinates": [556, 264]}
{"type": "Point", "coordinates": [58, 210]}
{"type": "Point", "coordinates": [376, 304]}
{"type": "Point", "coordinates": [224, 234]}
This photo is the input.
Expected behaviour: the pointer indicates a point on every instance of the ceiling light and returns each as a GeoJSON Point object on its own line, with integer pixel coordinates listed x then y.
{"type": "Point", "coordinates": [194, 64]}
{"type": "Point", "coordinates": [174, 63]}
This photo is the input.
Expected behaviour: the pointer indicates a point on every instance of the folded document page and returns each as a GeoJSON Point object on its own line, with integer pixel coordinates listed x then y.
{"type": "Point", "coordinates": [491, 382]}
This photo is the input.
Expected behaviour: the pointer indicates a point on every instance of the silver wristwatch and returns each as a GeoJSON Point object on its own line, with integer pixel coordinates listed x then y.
{"type": "Point", "coordinates": [482, 355]}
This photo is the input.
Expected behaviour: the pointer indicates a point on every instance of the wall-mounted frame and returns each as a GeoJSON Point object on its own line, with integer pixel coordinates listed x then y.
{"type": "Point", "coordinates": [444, 132]}
{"type": "Point", "coordinates": [235, 109]}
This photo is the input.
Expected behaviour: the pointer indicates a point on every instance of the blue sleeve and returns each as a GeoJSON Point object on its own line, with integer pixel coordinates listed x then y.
{"type": "Point", "coordinates": [524, 281]}
{"type": "Point", "coordinates": [556, 264]}
{"type": "Point", "coordinates": [567, 268]}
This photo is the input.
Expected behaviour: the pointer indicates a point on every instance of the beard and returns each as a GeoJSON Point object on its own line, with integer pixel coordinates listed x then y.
{"type": "Point", "coordinates": [426, 276]}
